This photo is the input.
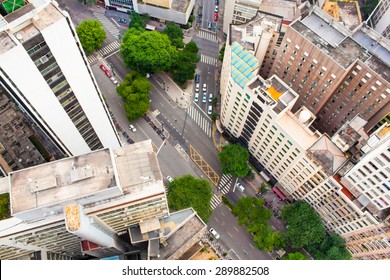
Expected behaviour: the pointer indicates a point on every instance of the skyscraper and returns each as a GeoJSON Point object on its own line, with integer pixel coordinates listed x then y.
{"type": "Point", "coordinates": [337, 73]}
{"type": "Point", "coordinates": [44, 69]}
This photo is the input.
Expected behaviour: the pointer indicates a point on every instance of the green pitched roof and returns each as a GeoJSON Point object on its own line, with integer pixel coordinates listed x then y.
{"type": "Point", "coordinates": [243, 64]}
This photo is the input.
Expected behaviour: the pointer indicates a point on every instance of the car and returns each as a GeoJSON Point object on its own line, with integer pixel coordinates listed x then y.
{"type": "Point", "coordinates": [209, 25]}
{"type": "Point", "coordinates": [132, 128]}
{"type": "Point", "coordinates": [215, 16]}
{"type": "Point", "coordinates": [214, 233]}
{"type": "Point", "coordinates": [210, 110]}
{"type": "Point", "coordinates": [197, 78]}
{"type": "Point", "coordinates": [216, 9]}
{"type": "Point", "coordinates": [216, 2]}
{"type": "Point", "coordinates": [204, 98]}
{"type": "Point", "coordinates": [196, 87]}
{"type": "Point", "coordinates": [210, 97]}
{"type": "Point", "coordinates": [124, 133]}
{"type": "Point", "coordinates": [240, 187]}
{"type": "Point", "coordinates": [204, 89]}
{"type": "Point", "coordinates": [114, 80]}
{"type": "Point", "coordinates": [122, 20]}
{"type": "Point", "coordinates": [169, 179]}
{"type": "Point", "coordinates": [196, 98]}
{"type": "Point", "coordinates": [130, 141]}
{"type": "Point", "coordinates": [105, 70]}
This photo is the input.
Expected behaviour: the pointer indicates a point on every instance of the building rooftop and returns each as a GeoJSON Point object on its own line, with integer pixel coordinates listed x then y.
{"type": "Point", "coordinates": [244, 65]}
{"type": "Point", "coordinates": [331, 38]}
{"type": "Point", "coordinates": [349, 14]}
{"type": "Point", "coordinates": [297, 130]}
{"type": "Point", "coordinates": [176, 5]}
{"type": "Point", "coordinates": [327, 154]}
{"type": "Point", "coordinates": [287, 9]}
{"type": "Point", "coordinates": [132, 170]}
{"type": "Point", "coordinates": [248, 34]}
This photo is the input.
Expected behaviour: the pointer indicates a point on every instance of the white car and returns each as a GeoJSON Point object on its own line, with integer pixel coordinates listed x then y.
{"type": "Point", "coordinates": [197, 87]}
{"type": "Point", "coordinates": [114, 80]}
{"type": "Point", "coordinates": [169, 179]}
{"type": "Point", "coordinates": [214, 233]}
{"type": "Point", "coordinates": [132, 128]}
{"type": "Point", "coordinates": [240, 187]}
{"type": "Point", "coordinates": [196, 98]}
{"type": "Point", "coordinates": [204, 89]}
{"type": "Point", "coordinates": [210, 97]}
{"type": "Point", "coordinates": [210, 110]}
{"type": "Point", "coordinates": [204, 98]}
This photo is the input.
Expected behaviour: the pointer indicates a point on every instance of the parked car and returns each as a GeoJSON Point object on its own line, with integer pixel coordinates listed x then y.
{"type": "Point", "coordinates": [196, 98]}
{"type": "Point", "coordinates": [124, 133]}
{"type": "Point", "coordinates": [210, 110]}
{"type": "Point", "coordinates": [240, 187]}
{"type": "Point", "coordinates": [209, 25]}
{"type": "Point", "coordinates": [122, 20]}
{"type": "Point", "coordinates": [204, 89]}
{"type": "Point", "coordinates": [215, 16]}
{"type": "Point", "coordinates": [214, 233]}
{"type": "Point", "coordinates": [197, 78]}
{"type": "Point", "coordinates": [105, 70]}
{"type": "Point", "coordinates": [204, 98]}
{"type": "Point", "coordinates": [169, 179]}
{"type": "Point", "coordinates": [216, 9]}
{"type": "Point", "coordinates": [210, 97]}
{"type": "Point", "coordinates": [132, 128]}
{"type": "Point", "coordinates": [114, 80]}
{"type": "Point", "coordinates": [197, 87]}
{"type": "Point", "coordinates": [216, 2]}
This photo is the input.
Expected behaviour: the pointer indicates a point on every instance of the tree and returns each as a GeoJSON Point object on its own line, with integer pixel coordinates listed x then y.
{"type": "Point", "coordinates": [234, 160]}
{"type": "Point", "coordinates": [214, 116]}
{"type": "Point", "coordinates": [138, 21]}
{"type": "Point", "coordinates": [185, 67]}
{"type": "Point", "coordinates": [88, 2]}
{"type": "Point", "coordinates": [188, 191]}
{"type": "Point", "coordinates": [221, 53]}
{"type": "Point", "coordinates": [304, 225]}
{"type": "Point", "coordinates": [175, 34]}
{"type": "Point", "coordinates": [135, 94]}
{"type": "Point", "coordinates": [332, 247]}
{"type": "Point", "coordinates": [214, 101]}
{"type": "Point", "coordinates": [369, 6]}
{"type": "Point", "coordinates": [147, 52]}
{"type": "Point", "coordinates": [295, 256]}
{"type": "Point", "coordinates": [191, 47]}
{"type": "Point", "coordinates": [91, 35]}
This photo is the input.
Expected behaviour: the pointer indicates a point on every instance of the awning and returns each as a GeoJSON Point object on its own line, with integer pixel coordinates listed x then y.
{"type": "Point", "coordinates": [279, 193]}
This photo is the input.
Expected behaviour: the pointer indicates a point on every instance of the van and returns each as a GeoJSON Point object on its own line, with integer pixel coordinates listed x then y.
{"type": "Point", "coordinates": [196, 98]}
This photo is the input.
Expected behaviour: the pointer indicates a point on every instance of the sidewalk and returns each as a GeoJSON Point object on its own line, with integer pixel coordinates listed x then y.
{"type": "Point", "coordinates": [174, 92]}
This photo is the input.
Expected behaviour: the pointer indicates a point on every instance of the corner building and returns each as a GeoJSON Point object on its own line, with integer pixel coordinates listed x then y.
{"type": "Point", "coordinates": [44, 69]}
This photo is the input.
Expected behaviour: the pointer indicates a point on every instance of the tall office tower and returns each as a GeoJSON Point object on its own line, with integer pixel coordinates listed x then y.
{"type": "Point", "coordinates": [379, 19]}
{"type": "Point", "coordinates": [299, 161]}
{"type": "Point", "coordinates": [44, 69]}
{"type": "Point", "coordinates": [336, 73]}
{"type": "Point", "coordinates": [242, 11]}
{"type": "Point", "coordinates": [85, 204]}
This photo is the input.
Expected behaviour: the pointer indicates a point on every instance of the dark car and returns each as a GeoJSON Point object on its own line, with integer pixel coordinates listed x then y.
{"type": "Point", "coordinates": [196, 78]}
{"type": "Point", "coordinates": [216, 16]}
{"type": "Point", "coordinates": [216, 2]}
{"type": "Point", "coordinates": [124, 133]}
{"type": "Point", "coordinates": [122, 20]}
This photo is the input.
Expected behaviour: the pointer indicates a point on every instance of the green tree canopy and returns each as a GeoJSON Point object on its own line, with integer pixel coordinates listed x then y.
{"type": "Point", "coordinates": [332, 247]}
{"type": "Point", "coordinates": [91, 35]}
{"type": "Point", "coordinates": [175, 34]}
{"type": "Point", "coordinates": [184, 68]}
{"type": "Point", "coordinates": [295, 256]}
{"type": "Point", "coordinates": [191, 47]}
{"type": "Point", "coordinates": [147, 52]}
{"type": "Point", "coordinates": [188, 191]}
{"type": "Point", "coordinates": [369, 6]}
{"type": "Point", "coordinates": [221, 53]}
{"type": "Point", "coordinates": [135, 94]}
{"type": "Point", "coordinates": [304, 225]}
{"type": "Point", "coordinates": [233, 159]}
{"type": "Point", "coordinates": [138, 21]}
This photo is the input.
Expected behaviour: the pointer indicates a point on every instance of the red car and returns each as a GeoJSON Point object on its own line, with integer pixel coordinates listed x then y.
{"type": "Point", "coordinates": [105, 70]}
{"type": "Point", "coordinates": [216, 16]}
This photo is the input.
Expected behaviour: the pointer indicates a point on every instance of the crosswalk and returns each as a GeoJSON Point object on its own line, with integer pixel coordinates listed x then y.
{"type": "Point", "coordinates": [109, 26]}
{"type": "Point", "coordinates": [208, 60]}
{"type": "Point", "coordinates": [111, 48]}
{"type": "Point", "coordinates": [207, 35]}
{"type": "Point", "coordinates": [200, 119]}
{"type": "Point", "coordinates": [215, 201]}
{"type": "Point", "coordinates": [225, 183]}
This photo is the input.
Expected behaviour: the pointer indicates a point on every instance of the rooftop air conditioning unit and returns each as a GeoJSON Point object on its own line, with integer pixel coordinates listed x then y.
{"type": "Point", "coordinates": [43, 59]}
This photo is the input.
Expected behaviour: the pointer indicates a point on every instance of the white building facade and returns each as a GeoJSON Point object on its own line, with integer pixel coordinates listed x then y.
{"type": "Point", "coordinates": [43, 67]}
